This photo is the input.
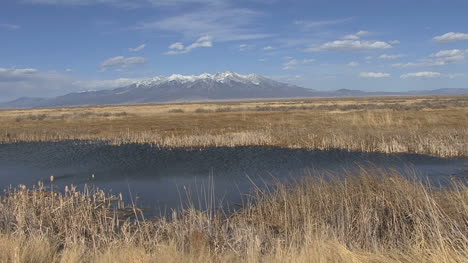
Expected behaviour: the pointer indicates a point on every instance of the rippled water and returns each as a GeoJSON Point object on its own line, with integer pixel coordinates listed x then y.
{"type": "Point", "coordinates": [162, 177]}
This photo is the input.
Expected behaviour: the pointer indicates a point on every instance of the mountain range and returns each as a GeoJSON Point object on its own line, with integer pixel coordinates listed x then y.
{"type": "Point", "coordinates": [204, 87]}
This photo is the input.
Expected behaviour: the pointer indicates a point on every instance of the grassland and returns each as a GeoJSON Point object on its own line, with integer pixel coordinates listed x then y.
{"type": "Point", "coordinates": [370, 216]}
{"type": "Point", "coordinates": [434, 125]}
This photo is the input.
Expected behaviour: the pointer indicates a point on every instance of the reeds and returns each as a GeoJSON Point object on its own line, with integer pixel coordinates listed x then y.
{"type": "Point", "coordinates": [371, 216]}
{"type": "Point", "coordinates": [429, 125]}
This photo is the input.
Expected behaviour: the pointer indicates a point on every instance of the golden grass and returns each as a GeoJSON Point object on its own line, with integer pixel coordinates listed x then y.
{"type": "Point", "coordinates": [371, 216]}
{"type": "Point", "coordinates": [423, 125]}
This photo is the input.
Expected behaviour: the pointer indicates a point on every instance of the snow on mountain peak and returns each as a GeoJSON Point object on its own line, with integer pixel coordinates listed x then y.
{"type": "Point", "coordinates": [217, 77]}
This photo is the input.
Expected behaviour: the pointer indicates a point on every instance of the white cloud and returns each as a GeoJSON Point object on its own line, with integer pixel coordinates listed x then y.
{"type": "Point", "coordinates": [123, 3]}
{"type": "Point", "coordinates": [221, 21]}
{"type": "Point", "coordinates": [13, 73]}
{"type": "Point", "coordinates": [351, 45]}
{"type": "Point", "coordinates": [105, 84]}
{"type": "Point", "coordinates": [307, 24]}
{"type": "Point", "coordinates": [268, 48]}
{"type": "Point", "coordinates": [425, 63]}
{"type": "Point", "coordinates": [243, 47]}
{"type": "Point", "coordinates": [423, 74]}
{"type": "Point", "coordinates": [362, 33]}
{"type": "Point", "coordinates": [406, 65]}
{"type": "Point", "coordinates": [139, 48]}
{"type": "Point", "coordinates": [70, 70]}
{"type": "Point", "coordinates": [293, 63]}
{"type": "Point", "coordinates": [389, 57]}
{"type": "Point", "coordinates": [451, 37]}
{"type": "Point", "coordinates": [9, 26]}
{"type": "Point", "coordinates": [451, 56]}
{"type": "Point", "coordinates": [357, 35]}
{"type": "Point", "coordinates": [353, 64]}
{"type": "Point", "coordinates": [122, 62]}
{"type": "Point", "coordinates": [441, 58]}
{"type": "Point", "coordinates": [456, 75]}
{"type": "Point", "coordinates": [179, 48]}
{"type": "Point", "coordinates": [351, 37]}
{"type": "Point", "coordinates": [19, 82]}
{"type": "Point", "coordinates": [449, 53]}
{"type": "Point", "coordinates": [375, 75]}
{"type": "Point", "coordinates": [291, 79]}
{"type": "Point", "coordinates": [394, 42]}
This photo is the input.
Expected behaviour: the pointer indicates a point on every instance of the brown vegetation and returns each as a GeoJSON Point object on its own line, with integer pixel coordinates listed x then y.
{"type": "Point", "coordinates": [426, 125]}
{"type": "Point", "coordinates": [372, 216]}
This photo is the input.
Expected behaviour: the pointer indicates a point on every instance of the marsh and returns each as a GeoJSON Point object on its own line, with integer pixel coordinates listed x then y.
{"type": "Point", "coordinates": [165, 178]}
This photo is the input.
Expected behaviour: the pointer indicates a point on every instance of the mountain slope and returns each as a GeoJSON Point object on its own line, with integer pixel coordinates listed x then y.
{"type": "Point", "coordinates": [23, 102]}
{"type": "Point", "coordinates": [219, 86]}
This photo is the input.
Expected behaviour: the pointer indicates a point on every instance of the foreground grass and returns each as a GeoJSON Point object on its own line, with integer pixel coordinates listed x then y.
{"type": "Point", "coordinates": [424, 125]}
{"type": "Point", "coordinates": [371, 216]}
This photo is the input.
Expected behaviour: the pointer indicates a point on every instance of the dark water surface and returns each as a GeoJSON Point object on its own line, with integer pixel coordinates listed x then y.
{"type": "Point", "coordinates": [160, 178]}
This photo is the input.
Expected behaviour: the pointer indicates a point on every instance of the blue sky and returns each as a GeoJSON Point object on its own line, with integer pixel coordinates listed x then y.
{"type": "Point", "coordinates": [52, 47]}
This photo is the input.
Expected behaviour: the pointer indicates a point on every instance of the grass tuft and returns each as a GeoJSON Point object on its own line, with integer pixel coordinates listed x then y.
{"type": "Point", "coordinates": [371, 216]}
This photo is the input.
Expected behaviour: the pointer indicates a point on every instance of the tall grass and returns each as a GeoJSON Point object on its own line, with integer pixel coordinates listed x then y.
{"type": "Point", "coordinates": [427, 125]}
{"type": "Point", "coordinates": [370, 216]}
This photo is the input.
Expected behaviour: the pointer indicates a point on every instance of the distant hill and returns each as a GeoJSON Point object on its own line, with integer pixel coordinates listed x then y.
{"type": "Point", "coordinates": [441, 92]}
{"type": "Point", "coordinates": [205, 87]}
{"type": "Point", "coordinates": [23, 102]}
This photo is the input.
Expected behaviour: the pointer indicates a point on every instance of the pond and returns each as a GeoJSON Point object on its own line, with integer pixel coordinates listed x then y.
{"type": "Point", "coordinates": [161, 179]}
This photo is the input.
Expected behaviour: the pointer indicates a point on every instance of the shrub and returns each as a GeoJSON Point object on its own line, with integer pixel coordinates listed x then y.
{"type": "Point", "coordinates": [176, 111]}
{"type": "Point", "coordinates": [202, 110]}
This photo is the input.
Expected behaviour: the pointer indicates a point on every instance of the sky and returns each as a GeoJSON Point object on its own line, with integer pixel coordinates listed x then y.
{"type": "Point", "coordinates": [53, 47]}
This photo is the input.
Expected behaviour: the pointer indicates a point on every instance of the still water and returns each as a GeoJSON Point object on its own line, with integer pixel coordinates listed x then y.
{"type": "Point", "coordinates": [161, 179]}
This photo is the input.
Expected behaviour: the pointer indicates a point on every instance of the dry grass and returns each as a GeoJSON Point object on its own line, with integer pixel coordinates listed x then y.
{"type": "Point", "coordinates": [372, 216]}
{"type": "Point", "coordinates": [423, 125]}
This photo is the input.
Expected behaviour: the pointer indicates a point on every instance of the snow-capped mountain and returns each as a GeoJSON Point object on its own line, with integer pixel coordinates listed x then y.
{"type": "Point", "coordinates": [179, 88]}
{"type": "Point", "coordinates": [220, 86]}
{"type": "Point", "coordinates": [223, 77]}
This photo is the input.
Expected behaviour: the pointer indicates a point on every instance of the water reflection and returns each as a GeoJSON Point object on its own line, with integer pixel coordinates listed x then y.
{"type": "Point", "coordinates": [162, 177]}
